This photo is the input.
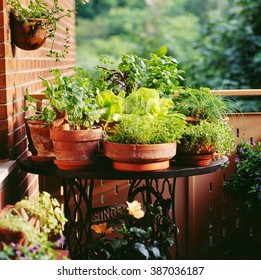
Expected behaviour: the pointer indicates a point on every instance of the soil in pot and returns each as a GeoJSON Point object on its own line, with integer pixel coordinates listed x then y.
{"type": "Point", "coordinates": [139, 157]}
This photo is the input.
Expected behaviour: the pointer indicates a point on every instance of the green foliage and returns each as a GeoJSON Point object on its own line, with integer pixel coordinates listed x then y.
{"type": "Point", "coordinates": [158, 72]}
{"type": "Point", "coordinates": [140, 27]}
{"type": "Point", "coordinates": [75, 94]}
{"type": "Point", "coordinates": [147, 119]}
{"type": "Point", "coordinates": [36, 245]}
{"type": "Point", "coordinates": [45, 113]}
{"type": "Point", "coordinates": [201, 104]}
{"type": "Point", "coordinates": [225, 58]}
{"type": "Point", "coordinates": [245, 183]}
{"type": "Point", "coordinates": [110, 105]}
{"type": "Point", "coordinates": [46, 209]}
{"type": "Point", "coordinates": [217, 135]}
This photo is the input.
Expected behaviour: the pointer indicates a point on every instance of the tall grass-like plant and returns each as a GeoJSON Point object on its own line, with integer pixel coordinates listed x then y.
{"type": "Point", "coordinates": [201, 104]}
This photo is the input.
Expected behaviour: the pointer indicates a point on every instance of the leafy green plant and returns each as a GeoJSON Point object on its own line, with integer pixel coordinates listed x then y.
{"type": "Point", "coordinates": [46, 209]}
{"type": "Point", "coordinates": [138, 235]}
{"type": "Point", "coordinates": [23, 239]}
{"type": "Point", "coordinates": [158, 72]}
{"type": "Point", "coordinates": [39, 9]}
{"type": "Point", "coordinates": [217, 135]}
{"type": "Point", "coordinates": [110, 105]}
{"type": "Point", "coordinates": [201, 104]}
{"type": "Point", "coordinates": [147, 119]}
{"type": "Point", "coordinates": [44, 113]}
{"type": "Point", "coordinates": [245, 183]}
{"type": "Point", "coordinates": [75, 94]}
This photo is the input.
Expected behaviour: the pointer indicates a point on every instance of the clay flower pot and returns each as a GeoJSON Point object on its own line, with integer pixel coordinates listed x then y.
{"type": "Point", "coordinates": [139, 157]}
{"type": "Point", "coordinates": [40, 144]}
{"type": "Point", "coordinates": [30, 35]}
{"type": "Point", "coordinates": [75, 149]}
{"type": "Point", "coordinates": [198, 156]}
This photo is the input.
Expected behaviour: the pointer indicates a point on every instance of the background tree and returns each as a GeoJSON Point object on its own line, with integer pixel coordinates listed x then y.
{"type": "Point", "coordinates": [229, 52]}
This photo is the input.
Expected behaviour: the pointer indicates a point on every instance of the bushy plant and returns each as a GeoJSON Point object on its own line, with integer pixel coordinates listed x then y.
{"type": "Point", "coordinates": [25, 229]}
{"type": "Point", "coordinates": [245, 183]}
{"type": "Point", "coordinates": [159, 71]}
{"type": "Point", "coordinates": [217, 135]}
{"type": "Point", "coordinates": [75, 94]}
{"type": "Point", "coordinates": [147, 119]}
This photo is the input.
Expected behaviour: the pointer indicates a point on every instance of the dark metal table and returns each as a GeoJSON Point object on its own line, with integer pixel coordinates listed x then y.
{"type": "Point", "coordinates": [145, 183]}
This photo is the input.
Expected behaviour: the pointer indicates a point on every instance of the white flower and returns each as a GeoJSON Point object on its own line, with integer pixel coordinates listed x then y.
{"type": "Point", "coordinates": [135, 209]}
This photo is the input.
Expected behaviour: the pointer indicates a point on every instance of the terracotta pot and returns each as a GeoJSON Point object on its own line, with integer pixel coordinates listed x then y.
{"type": "Point", "coordinates": [40, 144]}
{"type": "Point", "coordinates": [196, 156]}
{"type": "Point", "coordinates": [30, 35]}
{"type": "Point", "coordinates": [75, 149]}
{"type": "Point", "coordinates": [194, 160]}
{"type": "Point", "coordinates": [139, 157]}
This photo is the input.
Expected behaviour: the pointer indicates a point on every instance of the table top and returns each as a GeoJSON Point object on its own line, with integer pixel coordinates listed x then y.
{"type": "Point", "coordinates": [103, 170]}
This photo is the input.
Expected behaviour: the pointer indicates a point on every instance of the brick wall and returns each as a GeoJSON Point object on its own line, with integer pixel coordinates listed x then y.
{"type": "Point", "coordinates": [20, 69]}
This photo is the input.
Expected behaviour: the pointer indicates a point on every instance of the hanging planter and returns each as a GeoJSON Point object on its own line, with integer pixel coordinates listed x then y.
{"type": "Point", "coordinates": [30, 35]}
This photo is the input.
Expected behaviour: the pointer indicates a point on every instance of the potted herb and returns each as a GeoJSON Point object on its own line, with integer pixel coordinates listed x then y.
{"type": "Point", "coordinates": [145, 136]}
{"type": "Point", "coordinates": [75, 132]}
{"type": "Point", "coordinates": [201, 104]}
{"type": "Point", "coordinates": [159, 71]}
{"type": "Point", "coordinates": [200, 142]}
{"type": "Point", "coordinates": [31, 25]}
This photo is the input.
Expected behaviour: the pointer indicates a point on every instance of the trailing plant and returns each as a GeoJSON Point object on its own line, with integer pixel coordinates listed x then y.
{"type": "Point", "coordinates": [147, 119]}
{"type": "Point", "coordinates": [245, 183]}
{"type": "Point", "coordinates": [139, 234]}
{"type": "Point", "coordinates": [39, 9]}
{"type": "Point", "coordinates": [217, 135]}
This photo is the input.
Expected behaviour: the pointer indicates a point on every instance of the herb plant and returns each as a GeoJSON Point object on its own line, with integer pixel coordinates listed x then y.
{"type": "Point", "coordinates": [217, 135]}
{"type": "Point", "coordinates": [147, 119]}
{"type": "Point", "coordinates": [159, 71]}
{"type": "Point", "coordinates": [75, 94]}
{"type": "Point", "coordinates": [201, 104]}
